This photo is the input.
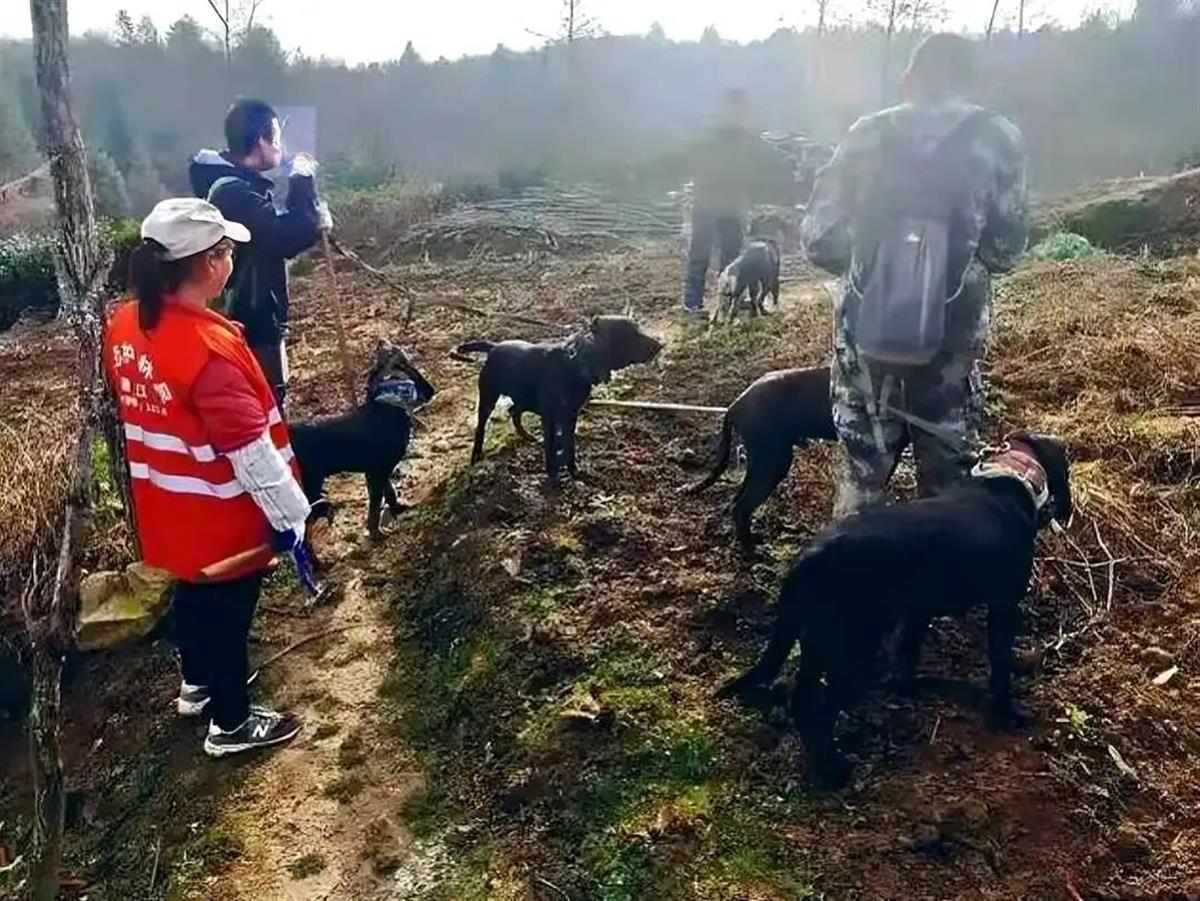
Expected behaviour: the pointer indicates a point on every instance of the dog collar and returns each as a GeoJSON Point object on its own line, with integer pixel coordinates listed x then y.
{"type": "Point", "coordinates": [395, 392]}
{"type": "Point", "coordinates": [1009, 462]}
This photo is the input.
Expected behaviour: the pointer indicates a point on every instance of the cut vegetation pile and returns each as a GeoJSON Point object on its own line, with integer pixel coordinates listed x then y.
{"type": "Point", "coordinates": [555, 218]}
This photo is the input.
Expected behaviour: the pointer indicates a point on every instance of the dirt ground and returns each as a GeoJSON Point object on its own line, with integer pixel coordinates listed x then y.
{"type": "Point", "coordinates": [517, 702]}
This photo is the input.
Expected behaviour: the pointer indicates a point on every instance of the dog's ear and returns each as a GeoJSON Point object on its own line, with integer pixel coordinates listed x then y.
{"type": "Point", "coordinates": [1051, 453]}
{"type": "Point", "coordinates": [378, 359]}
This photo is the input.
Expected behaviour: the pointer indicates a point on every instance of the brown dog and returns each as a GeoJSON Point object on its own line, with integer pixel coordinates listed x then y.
{"type": "Point", "coordinates": [778, 412]}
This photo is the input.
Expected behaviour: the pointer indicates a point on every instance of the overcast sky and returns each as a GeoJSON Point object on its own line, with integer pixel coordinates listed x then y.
{"type": "Point", "coordinates": [369, 30]}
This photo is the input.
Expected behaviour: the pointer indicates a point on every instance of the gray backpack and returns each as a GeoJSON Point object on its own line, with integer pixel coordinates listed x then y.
{"type": "Point", "coordinates": [910, 239]}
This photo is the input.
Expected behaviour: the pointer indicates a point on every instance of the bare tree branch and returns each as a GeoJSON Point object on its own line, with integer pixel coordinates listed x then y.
{"type": "Point", "coordinates": [255, 4]}
{"type": "Point", "coordinates": [224, 19]}
{"type": "Point", "coordinates": [992, 20]}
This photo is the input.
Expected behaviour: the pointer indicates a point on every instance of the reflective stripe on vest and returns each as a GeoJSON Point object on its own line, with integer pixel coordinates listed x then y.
{"type": "Point", "coordinates": [177, 484]}
{"type": "Point", "coordinates": [201, 453]}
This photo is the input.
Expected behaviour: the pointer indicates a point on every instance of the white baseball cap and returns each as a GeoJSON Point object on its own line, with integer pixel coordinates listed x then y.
{"type": "Point", "coordinates": [189, 225]}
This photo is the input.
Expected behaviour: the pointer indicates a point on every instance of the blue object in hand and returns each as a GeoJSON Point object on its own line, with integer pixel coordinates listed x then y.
{"type": "Point", "coordinates": [288, 541]}
{"type": "Point", "coordinates": [304, 569]}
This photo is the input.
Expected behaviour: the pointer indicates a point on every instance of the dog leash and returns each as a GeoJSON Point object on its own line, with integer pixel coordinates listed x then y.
{"type": "Point", "coordinates": [941, 433]}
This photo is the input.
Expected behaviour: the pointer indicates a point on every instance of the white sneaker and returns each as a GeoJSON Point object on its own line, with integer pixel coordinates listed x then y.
{"type": "Point", "coordinates": [194, 698]}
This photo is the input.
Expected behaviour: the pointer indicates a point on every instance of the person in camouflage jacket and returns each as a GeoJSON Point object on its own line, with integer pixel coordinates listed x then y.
{"type": "Point", "coordinates": [936, 408]}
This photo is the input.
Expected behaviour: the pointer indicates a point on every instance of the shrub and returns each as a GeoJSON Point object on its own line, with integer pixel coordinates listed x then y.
{"type": "Point", "coordinates": [1065, 246]}
{"type": "Point", "coordinates": [27, 279]}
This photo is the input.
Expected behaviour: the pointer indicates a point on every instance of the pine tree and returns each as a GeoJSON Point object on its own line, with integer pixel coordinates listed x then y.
{"type": "Point", "coordinates": [18, 151]}
{"type": "Point", "coordinates": [126, 33]}
{"type": "Point", "coordinates": [108, 185]}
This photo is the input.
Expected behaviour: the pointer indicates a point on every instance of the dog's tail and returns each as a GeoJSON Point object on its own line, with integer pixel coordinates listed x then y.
{"type": "Point", "coordinates": [472, 347]}
{"type": "Point", "coordinates": [723, 452]}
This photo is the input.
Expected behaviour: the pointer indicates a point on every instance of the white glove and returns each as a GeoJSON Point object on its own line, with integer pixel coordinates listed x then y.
{"type": "Point", "coordinates": [324, 217]}
{"type": "Point", "coordinates": [262, 472]}
{"type": "Point", "coordinates": [302, 164]}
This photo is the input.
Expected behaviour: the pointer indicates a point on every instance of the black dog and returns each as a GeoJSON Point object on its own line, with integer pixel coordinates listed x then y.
{"type": "Point", "coordinates": [755, 272]}
{"type": "Point", "coordinates": [780, 411]}
{"type": "Point", "coordinates": [371, 439]}
{"type": "Point", "coordinates": [901, 566]}
{"type": "Point", "coordinates": [554, 380]}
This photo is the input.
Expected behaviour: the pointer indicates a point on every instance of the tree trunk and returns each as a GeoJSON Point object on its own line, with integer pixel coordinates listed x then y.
{"type": "Point", "coordinates": [1020, 18]}
{"type": "Point", "coordinates": [992, 20]}
{"type": "Point", "coordinates": [50, 605]}
{"type": "Point", "coordinates": [49, 791]}
{"type": "Point", "coordinates": [821, 6]}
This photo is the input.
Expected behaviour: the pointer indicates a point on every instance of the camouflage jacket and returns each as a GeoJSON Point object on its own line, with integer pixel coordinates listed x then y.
{"type": "Point", "coordinates": [997, 203]}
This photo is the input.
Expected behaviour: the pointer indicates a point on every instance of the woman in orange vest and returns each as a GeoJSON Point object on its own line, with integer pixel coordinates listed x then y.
{"type": "Point", "coordinates": [213, 477]}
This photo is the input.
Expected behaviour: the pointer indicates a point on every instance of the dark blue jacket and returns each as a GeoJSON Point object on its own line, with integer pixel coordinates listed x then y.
{"type": "Point", "coordinates": [258, 289]}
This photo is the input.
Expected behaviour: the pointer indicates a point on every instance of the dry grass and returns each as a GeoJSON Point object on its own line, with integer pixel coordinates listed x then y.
{"type": "Point", "coordinates": [36, 425]}
{"type": "Point", "coordinates": [1106, 354]}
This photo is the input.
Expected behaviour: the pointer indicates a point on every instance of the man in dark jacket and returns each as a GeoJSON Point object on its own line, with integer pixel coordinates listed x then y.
{"type": "Point", "coordinates": [233, 180]}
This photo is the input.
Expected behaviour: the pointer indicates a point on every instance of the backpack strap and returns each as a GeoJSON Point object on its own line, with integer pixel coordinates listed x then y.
{"type": "Point", "coordinates": [218, 186]}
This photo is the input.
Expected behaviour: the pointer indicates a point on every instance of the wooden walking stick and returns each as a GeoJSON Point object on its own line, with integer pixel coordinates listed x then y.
{"type": "Point", "coordinates": [338, 322]}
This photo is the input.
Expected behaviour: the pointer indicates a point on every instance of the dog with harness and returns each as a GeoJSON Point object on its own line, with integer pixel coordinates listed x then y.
{"type": "Point", "coordinates": [371, 439]}
{"type": "Point", "coordinates": [898, 566]}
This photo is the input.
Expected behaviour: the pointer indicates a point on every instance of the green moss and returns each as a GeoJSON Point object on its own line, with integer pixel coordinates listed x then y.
{"type": "Point", "coordinates": [352, 752]}
{"type": "Point", "coordinates": [344, 788]}
{"type": "Point", "coordinates": [326, 729]}
{"type": "Point", "coordinates": [544, 600]}
{"type": "Point", "coordinates": [309, 865]}
{"type": "Point", "coordinates": [426, 813]}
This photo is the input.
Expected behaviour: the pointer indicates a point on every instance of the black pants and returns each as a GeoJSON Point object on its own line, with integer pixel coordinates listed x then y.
{"type": "Point", "coordinates": [708, 229]}
{"type": "Point", "coordinates": [212, 626]}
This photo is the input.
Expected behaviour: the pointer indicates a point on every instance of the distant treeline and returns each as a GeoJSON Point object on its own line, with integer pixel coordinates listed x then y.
{"type": "Point", "coordinates": [1104, 99]}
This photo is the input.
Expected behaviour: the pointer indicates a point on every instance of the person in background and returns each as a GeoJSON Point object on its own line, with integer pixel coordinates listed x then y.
{"type": "Point", "coordinates": [919, 205]}
{"type": "Point", "coordinates": [726, 166]}
{"type": "Point", "coordinates": [233, 180]}
{"type": "Point", "coordinates": [212, 472]}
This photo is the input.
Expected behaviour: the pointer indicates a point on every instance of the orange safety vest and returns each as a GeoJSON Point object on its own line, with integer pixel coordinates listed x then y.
{"type": "Point", "coordinates": [190, 509]}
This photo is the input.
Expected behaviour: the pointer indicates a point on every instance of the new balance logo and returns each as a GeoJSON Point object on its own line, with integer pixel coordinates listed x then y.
{"type": "Point", "coordinates": [260, 730]}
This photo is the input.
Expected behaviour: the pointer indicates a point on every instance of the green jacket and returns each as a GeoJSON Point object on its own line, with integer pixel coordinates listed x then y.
{"type": "Point", "coordinates": [731, 168]}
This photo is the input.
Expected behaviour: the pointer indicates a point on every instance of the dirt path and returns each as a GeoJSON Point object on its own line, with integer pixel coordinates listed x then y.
{"type": "Point", "coordinates": [320, 818]}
